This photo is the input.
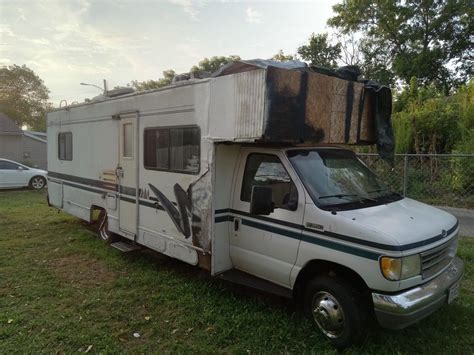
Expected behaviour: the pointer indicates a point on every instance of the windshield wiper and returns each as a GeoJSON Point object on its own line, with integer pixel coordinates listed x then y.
{"type": "Point", "coordinates": [338, 196]}
{"type": "Point", "coordinates": [385, 190]}
{"type": "Point", "coordinates": [367, 199]}
{"type": "Point", "coordinates": [378, 190]}
{"type": "Point", "coordinates": [360, 198]}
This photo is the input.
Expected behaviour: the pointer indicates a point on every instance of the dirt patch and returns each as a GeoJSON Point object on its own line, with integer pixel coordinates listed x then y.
{"type": "Point", "coordinates": [80, 271]}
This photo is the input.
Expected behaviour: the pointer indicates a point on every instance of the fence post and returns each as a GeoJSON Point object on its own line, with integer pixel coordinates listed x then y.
{"type": "Point", "coordinates": [405, 172]}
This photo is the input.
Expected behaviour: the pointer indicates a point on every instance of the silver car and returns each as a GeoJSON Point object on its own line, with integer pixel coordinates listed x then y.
{"type": "Point", "coordinates": [16, 175]}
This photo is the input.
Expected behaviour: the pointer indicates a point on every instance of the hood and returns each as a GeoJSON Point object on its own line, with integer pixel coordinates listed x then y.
{"type": "Point", "coordinates": [410, 223]}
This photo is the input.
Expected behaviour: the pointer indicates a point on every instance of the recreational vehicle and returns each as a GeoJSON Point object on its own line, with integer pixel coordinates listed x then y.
{"type": "Point", "coordinates": [248, 175]}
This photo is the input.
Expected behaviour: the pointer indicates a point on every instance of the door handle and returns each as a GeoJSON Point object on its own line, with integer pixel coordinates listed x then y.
{"type": "Point", "coordinates": [236, 224]}
{"type": "Point", "coordinates": [119, 172]}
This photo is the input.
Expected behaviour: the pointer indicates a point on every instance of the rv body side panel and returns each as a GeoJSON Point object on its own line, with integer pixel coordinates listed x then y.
{"type": "Point", "coordinates": [237, 106]}
{"type": "Point", "coordinates": [78, 183]}
{"type": "Point", "coordinates": [171, 199]}
{"type": "Point", "coordinates": [226, 164]}
{"type": "Point", "coordinates": [90, 179]}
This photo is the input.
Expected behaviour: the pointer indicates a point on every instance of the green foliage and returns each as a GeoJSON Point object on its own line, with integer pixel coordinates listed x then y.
{"type": "Point", "coordinates": [425, 121]}
{"type": "Point", "coordinates": [282, 57]}
{"type": "Point", "coordinates": [403, 131]}
{"type": "Point", "coordinates": [320, 52]}
{"type": "Point", "coordinates": [465, 100]}
{"type": "Point", "coordinates": [464, 171]}
{"type": "Point", "coordinates": [214, 63]}
{"type": "Point", "coordinates": [430, 40]}
{"type": "Point", "coordinates": [375, 62]}
{"type": "Point", "coordinates": [167, 78]}
{"type": "Point", "coordinates": [24, 97]}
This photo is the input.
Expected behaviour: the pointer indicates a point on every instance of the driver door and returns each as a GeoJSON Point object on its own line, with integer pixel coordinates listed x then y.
{"type": "Point", "coordinates": [266, 246]}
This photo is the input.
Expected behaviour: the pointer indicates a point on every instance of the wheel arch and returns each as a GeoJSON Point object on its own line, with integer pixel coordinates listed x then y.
{"type": "Point", "coordinates": [317, 267]}
{"type": "Point", "coordinates": [93, 216]}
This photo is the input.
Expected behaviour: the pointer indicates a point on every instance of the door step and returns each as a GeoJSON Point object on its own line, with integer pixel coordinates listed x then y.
{"type": "Point", "coordinates": [125, 247]}
{"type": "Point", "coordinates": [242, 278]}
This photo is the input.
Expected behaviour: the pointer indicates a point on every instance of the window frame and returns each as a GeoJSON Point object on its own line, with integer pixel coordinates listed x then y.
{"type": "Point", "coordinates": [247, 158]}
{"type": "Point", "coordinates": [132, 145]}
{"type": "Point", "coordinates": [169, 128]}
{"type": "Point", "coordinates": [59, 146]}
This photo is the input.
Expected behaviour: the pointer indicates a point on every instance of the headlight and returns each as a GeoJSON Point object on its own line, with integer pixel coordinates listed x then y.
{"type": "Point", "coordinates": [395, 269]}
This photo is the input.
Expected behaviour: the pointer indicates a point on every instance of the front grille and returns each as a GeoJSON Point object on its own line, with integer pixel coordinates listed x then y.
{"type": "Point", "coordinates": [436, 259]}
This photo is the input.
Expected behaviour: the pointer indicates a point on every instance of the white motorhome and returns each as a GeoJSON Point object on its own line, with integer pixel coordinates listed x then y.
{"type": "Point", "coordinates": [237, 173]}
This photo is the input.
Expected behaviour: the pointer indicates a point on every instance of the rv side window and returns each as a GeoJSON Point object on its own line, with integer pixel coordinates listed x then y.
{"type": "Point", "coordinates": [267, 170]}
{"type": "Point", "coordinates": [65, 146]}
{"type": "Point", "coordinates": [173, 149]}
{"type": "Point", "coordinates": [127, 140]}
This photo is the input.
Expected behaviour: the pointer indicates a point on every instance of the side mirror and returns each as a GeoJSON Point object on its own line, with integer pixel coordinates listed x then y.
{"type": "Point", "coordinates": [261, 201]}
{"type": "Point", "coordinates": [20, 168]}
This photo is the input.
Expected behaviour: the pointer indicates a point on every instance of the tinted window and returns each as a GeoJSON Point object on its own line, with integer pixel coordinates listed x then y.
{"type": "Point", "coordinates": [267, 170]}
{"type": "Point", "coordinates": [6, 165]}
{"type": "Point", "coordinates": [173, 149]}
{"type": "Point", "coordinates": [65, 146]}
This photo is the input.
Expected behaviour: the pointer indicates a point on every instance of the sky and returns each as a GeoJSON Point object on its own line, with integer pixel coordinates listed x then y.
{"type": "Point", "coordinates": [72, 41]}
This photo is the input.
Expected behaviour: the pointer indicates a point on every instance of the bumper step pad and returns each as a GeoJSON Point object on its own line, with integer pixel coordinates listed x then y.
{"type": "Point", "coordinates": [125, 247]}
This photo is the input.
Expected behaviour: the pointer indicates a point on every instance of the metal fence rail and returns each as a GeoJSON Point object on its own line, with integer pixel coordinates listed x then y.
{"type": "Point", "coordinates": [437, 179]}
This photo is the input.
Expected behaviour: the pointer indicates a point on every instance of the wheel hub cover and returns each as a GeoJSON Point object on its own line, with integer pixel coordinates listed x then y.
{"type": "Point", "coordinates": [328, 314]}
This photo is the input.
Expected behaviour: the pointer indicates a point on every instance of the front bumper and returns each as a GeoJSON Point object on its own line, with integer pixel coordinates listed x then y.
{"type": "Point", "coordinates": [397, 311]}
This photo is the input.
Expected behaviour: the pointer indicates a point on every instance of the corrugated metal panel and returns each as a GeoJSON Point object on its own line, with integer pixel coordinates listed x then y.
{"type": "Point", "coordinates": [249, 98]}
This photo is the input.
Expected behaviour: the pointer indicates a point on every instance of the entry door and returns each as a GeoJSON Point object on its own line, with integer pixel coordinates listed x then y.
{"type": "Point", "coordinates": [266, 246]}
{"type": "Point", "coordinates": [127, 173]}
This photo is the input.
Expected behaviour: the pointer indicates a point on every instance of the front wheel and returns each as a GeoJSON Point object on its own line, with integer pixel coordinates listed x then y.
{"type": "Point", "coordinates": [37, 182]}
{"type": "Point", "coordinates": [336, 309]}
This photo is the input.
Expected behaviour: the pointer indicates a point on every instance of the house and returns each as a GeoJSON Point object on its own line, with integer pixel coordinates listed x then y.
{"type": "Point", "coordinates": [25, 147]}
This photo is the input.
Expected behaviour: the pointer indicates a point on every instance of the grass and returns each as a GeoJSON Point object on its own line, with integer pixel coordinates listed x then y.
{"type": "Point", "coordinates": [62, 290]}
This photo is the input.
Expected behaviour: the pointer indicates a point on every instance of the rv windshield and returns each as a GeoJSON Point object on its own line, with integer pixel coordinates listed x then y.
{"type": "Point", "coordinates": [337, 179]}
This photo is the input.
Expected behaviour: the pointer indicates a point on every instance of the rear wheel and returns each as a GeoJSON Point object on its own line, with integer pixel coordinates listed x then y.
{"type": "Point", "coordinates": [37, 182]}
{"type": "Point", "coordinates": [337, 309]}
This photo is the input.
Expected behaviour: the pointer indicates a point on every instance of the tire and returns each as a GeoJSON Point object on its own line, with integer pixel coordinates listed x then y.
{"type": "Point", "coordinates": [337, 310]}
{"type": "Point", "coordinates": [37, 182]}
{"type": "Point", "coordinates": [102, 230]}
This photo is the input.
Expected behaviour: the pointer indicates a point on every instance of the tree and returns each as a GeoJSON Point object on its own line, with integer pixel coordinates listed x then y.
{"type": "Point", "coordinates": [375, 62]}
{"type": "Point", "coordinates": [429, 39]}
{"type": "Point", "coordinates": [282, 57]}
{"type": "Point", "coordinates": [24, 97]}
{"type": "Point", "coordinates": [320, 52]}
{"type": "Point", "coordinates": [167, 79]}
{"type": "Point", "coordinates": [214, 63]}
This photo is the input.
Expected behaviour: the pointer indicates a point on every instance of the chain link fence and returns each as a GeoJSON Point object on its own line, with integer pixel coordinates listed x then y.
{"type": "Point", "coordinates": [445, 180]}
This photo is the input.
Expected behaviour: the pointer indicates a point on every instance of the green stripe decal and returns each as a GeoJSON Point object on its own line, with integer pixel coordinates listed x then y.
{"type": "Point", "coordinates": [312, 239]}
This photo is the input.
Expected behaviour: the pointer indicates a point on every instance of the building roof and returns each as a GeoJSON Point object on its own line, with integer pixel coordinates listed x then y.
{"type": "Point", "coordinates": [7, 125]}
{"type": "Point", "coordinates": [34, 136]}
{"type": "Point", "coordinates": [39, 134]}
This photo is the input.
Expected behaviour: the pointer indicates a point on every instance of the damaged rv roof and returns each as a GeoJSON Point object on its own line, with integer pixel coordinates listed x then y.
{"type": "Point", "coordinates": [291, 102]}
